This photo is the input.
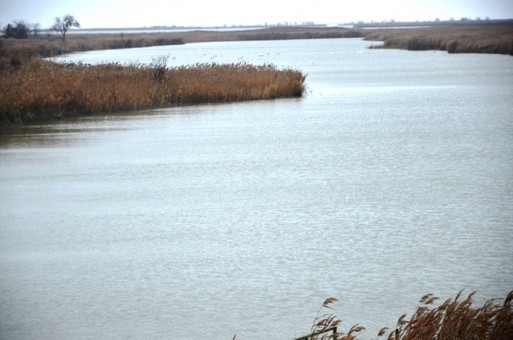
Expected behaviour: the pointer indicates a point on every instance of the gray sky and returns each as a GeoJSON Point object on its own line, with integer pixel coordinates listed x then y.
{"type": "Point", "coordinates": [140, 13]}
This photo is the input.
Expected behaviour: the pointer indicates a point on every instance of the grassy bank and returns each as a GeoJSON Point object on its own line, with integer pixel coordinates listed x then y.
{"type": "Point", "coordinates": [41, 90]}
{"type": "Point", "coordinates": [453, 39]}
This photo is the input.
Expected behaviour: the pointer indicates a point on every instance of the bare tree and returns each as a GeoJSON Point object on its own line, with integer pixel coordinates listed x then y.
{"type": "Point", "coordinates": [63, 25]}
{"type": "Point", "coordinates": [18, 30]}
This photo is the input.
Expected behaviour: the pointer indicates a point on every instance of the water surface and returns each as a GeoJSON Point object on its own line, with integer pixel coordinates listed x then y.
{"type": "Point", "coordinates": [391, 178]}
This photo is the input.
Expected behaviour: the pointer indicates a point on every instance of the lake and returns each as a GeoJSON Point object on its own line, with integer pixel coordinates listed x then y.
{"type": "Point", "coordinates": [391, 178]}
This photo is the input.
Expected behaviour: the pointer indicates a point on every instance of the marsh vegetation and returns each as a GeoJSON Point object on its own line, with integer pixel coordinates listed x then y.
{"type": "Point", "coordinates": [33, 89]}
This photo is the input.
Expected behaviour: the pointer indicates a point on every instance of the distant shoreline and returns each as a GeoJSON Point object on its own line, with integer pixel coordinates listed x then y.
{"type": "Point", "coordinates": [383, 24]}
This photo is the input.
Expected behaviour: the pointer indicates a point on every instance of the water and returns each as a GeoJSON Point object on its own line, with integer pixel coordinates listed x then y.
{"type": "Point", "coordinates": [391, 178]}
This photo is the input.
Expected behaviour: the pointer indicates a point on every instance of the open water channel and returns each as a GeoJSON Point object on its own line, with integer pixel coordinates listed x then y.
{"type": "Point", "coordinates": [391, 178]}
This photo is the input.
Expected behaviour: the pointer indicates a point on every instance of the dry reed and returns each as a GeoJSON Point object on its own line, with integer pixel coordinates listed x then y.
{"type": "Point", "coordinates": [453, 319]}
{"type": "Point", "coordinates": [326, 325]}
{"type": "Point", "coordinates": [39, 90]}
{"type": "Point", "coordinates": [457, 319]}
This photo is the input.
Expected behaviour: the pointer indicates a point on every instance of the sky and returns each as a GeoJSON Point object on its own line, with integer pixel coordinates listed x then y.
{"type": "Point", "coordinates": [147, 13]}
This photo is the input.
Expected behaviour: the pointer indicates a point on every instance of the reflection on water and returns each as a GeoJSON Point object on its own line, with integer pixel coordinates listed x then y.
{"type": "Point", "coordinates": [392, 178]}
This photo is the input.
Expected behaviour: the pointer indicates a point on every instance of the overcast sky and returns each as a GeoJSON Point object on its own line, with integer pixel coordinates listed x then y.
{"type": "Point", "coordinates": [141, 13]}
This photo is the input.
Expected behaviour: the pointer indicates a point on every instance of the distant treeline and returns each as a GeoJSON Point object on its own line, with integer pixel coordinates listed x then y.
{"type": "Point", "coordinates": [445, 23]}
{"type": "Point", "coordinates": [286, 34]}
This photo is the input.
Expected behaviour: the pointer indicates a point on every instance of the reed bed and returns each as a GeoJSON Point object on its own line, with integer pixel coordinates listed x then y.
{"type": "Point", "coordinates": [454, 319]}
{"type": "Point", "coordinates": [40, 90]}
{"type": "Point", "coordinates": [453, 39]}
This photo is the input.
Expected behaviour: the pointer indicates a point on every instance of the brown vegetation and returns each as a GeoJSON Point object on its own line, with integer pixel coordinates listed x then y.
{"type": "Point", "coordinates": [39, 89]}
{"type": "Point", "coordinates": [453, 319]}
{"type": "Point", "coordinates": [326, 325]}
{"type": "Point", "coordinates": [457, 319]}
{"type": "Point", "coordinates": [454, 39]}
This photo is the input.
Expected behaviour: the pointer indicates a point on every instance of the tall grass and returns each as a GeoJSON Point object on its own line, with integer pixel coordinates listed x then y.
{"type": "Point", "coordinates": [326, 325]}
{"type": "Point", "coordinates": [39, 89]}
{"type": "Point", "coordinates": [454, 319]}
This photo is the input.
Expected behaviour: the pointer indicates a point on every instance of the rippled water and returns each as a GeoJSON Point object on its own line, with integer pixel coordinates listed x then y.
{"type": "Point", "coordinates": [391, 178]}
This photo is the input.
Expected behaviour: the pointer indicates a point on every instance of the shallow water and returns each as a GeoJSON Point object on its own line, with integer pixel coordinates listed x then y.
{"type": "Point", "coordinates": [391, 178]}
